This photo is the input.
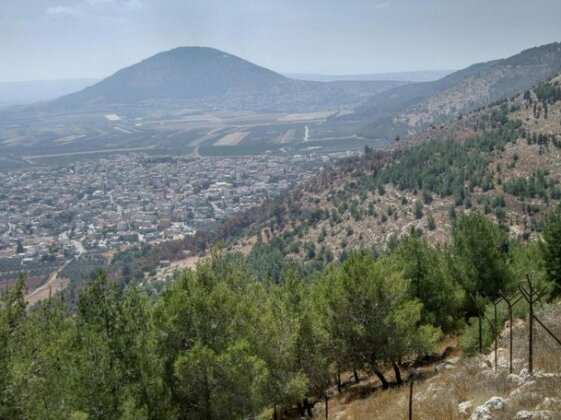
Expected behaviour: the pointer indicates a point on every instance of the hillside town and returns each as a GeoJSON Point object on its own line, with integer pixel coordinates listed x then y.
{"type": "Point", "coordinates": [54, 214]}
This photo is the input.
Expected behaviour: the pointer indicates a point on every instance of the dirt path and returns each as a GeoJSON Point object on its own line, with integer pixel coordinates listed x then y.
{"type": "Point", "coordinates": [53, 285]}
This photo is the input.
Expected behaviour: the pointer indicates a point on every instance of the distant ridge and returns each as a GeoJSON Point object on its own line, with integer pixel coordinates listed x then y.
{"type": "Point", "coordinates": [411, 108]}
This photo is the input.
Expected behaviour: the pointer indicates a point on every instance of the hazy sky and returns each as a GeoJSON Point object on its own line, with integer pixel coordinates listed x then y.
{"type": "Point", "coordinates": [57, 39]}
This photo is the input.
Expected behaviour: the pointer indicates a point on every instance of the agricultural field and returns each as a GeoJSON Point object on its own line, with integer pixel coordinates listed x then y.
{"type": "Point", "coordinates": [286, 137]}
{"type": "Point", "coordinates": [232, 139]}
{"type": "Point", "coordinates": [37, 271]}
{"type": "Point", "coordinates": [83, 267]}
{"type": "Point", "coordinates": [54, 138]}
{"type": "Point", "coordinates": [9, 268]}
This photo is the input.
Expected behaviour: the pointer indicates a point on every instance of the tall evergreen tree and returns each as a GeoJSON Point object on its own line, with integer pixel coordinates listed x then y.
{"type": "Point", "coordinates": [551, 245]}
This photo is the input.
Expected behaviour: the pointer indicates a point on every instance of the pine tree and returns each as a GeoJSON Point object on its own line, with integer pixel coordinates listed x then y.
{"type": "Point", "coordinates": [551, 245]}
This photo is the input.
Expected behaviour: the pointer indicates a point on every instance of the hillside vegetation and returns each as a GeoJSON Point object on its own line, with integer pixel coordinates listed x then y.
{"type": "Point", "coordinates": [225, 341]}
{"type": "Point", "coordinates": [503, 161]}
{"type": "Point", "coordinates": [471, 387]}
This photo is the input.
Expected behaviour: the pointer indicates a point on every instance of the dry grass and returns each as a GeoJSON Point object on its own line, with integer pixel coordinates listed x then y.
{"type": "Point", "coordinates": [438, 397]}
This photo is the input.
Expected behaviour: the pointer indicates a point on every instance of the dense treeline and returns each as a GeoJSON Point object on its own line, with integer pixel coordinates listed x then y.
{"type": "Point", "coordinates": [548, 93]}
{"type": "Point", "coordinates": [229, 341]}
{"type": "Point", "coordinates": [449, 168]}
{"type": "Point", "coordinates": [538, 184]}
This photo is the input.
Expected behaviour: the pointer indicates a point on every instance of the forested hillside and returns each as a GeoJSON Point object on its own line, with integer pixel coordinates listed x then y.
{"type": "Point", "coordinates": [225, 341]}
{"type": "Point", "coordinates": [503, 161]}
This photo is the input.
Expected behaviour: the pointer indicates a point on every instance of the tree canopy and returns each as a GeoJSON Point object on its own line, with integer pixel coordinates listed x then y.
{"type": "Point", "coordinates": [227, 340]}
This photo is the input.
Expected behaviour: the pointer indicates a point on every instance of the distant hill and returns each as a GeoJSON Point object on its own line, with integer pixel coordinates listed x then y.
{"type": "Point", "coordinates": [411, 108]}
{"type": "Point", "coordinates": [190, 72]}
{"type": "Point", "coordinates": [404, 76]}
{"type": "Point", "coordinates": [28, 92]}
{"type": "Point", "coordinates": [206, 77]}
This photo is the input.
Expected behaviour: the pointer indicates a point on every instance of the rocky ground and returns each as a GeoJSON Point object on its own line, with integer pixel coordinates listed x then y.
{"type": "Point", "coordinates": [473, 388]}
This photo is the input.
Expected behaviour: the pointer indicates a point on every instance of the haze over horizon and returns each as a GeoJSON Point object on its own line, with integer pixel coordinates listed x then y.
{"type": "Point", "coordinates": [68, 39]}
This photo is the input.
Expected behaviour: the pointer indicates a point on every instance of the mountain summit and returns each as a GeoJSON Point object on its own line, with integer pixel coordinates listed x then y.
{"type": "Point", "coordinates": [206, 77]}
{"type": "Point", "coordinates": [186, 72]}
